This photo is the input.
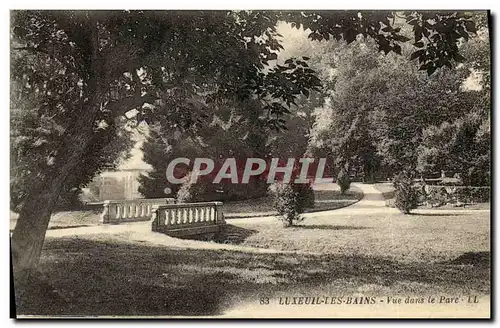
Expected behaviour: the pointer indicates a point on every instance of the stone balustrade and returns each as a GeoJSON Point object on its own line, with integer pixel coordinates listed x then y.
{"type": "Point", "coordinates": [188, 219]}
{"type": "Point", "coordinates": [130, 210]}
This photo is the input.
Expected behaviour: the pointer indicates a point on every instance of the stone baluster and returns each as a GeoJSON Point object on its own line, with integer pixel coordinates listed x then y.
{"type": "Point", "coordinates": [203, 213]}
{"type": "Point", "coordinates": [166, 221]}
{"type": "Point", "coordinates": [209, 216]}
{"type": "Point", "coordinates": [143, 210]}
{"type": "Point", "coordinates": [126, 211]}
{"type": "Point", "coordinates": [171, 216]}
{"type": "Point", "coordinates": [118, 210]}
{"type": "Point", "coordinates": [179, 216]}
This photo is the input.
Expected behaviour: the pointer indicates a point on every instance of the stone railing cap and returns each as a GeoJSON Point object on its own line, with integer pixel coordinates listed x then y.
{"type": "Point", "coordinates": [187, 205]}
{"type": "Point", "coordinates": [139, 200]}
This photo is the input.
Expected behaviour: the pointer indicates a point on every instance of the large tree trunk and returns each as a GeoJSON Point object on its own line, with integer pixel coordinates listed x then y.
{"type": "Point", "coordinates": [29, 233]}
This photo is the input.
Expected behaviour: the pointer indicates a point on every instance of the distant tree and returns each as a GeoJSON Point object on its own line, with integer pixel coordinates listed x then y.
{"type": "Point", "coordinates": [293, 139]}
{"type": "Point", "coordinates": [351, 94]}
{"type": "Point", "coordinates": [232, 132]}
{"type": "Point", "coordinates": [462, 146]}
{"type": "Point", "coordinates": [158, 152]}
{"type": "Point", "coordinates": [380, 105]}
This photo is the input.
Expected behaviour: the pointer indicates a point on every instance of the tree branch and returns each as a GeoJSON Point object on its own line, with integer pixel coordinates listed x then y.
{"type": "Point", "coordinates": [45, 52]}
{"type": "Point", "coordinates": [122, 106]}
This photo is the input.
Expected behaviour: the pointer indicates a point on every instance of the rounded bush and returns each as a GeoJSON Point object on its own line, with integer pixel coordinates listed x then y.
{"type": "Point", "coordinates": [344, 181]}
{"type": "Point", "coordinates": [290, 201]}
{"type": "Point", "coordinates": [405, 193]}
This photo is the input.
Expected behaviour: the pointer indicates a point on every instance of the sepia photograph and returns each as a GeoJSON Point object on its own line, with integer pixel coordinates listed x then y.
{"type": "Point", "coordinates": [209, 164]}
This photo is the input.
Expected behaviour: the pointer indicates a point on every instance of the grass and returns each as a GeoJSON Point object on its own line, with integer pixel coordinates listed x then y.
{"type": "Point", "coordinates": [66, 219]}
{"type": "Point", "coordinates": [355, 253]}
{"type": "Point", "coordinates": [422, 237]}
{"type": "Point", "coordinates": [112, 275]}
{"type": "Point", "coordinates": [386, 188]}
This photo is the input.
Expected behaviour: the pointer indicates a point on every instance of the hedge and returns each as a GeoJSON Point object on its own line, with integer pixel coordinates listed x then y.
{"type": "Point", "coordinates": [438, 195]}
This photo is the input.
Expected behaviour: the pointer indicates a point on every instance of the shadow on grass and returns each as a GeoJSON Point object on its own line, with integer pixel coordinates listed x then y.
{"type": "Point", "coordinates": [231, 234]}
{"type": "Point", "coordinates": [330, 227]}
{"type": "Point", "coordinates": [103, 277]}
{"type": "Point", "coordinates": [478, 259]}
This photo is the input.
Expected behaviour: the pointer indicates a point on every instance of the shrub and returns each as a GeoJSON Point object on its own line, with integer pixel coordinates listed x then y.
{"type": "Point", "coordinates": [405, 193]}
{"type": "Point", "coordinates": [343, 181]}
{"type": "Point", "coordinates": [290, 201]}
{"type": "Point", "coordinates": [437, 195]}
{"type": "Point", "coordinates": [421, 193]}
{"type": "Point", "coordinates": [240, 191]}
{"type": "Point", "coordinates": [471, 195]}
{"type": "Point", "coordinates": [70, 200]}
{"type": "Point", "coordinates": [203, 190]}
{"type": "Point", "coordinates": [199, 191]}
{"type": "Point", "coordinates": [305, 194]}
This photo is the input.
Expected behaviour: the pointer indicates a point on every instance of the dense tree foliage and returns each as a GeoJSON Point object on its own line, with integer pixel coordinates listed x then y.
{"type": "Point", "coordinates": [230, 132]}
{"type": "Point", "coordinates": [43, 97]}
{"type": "Point", "coordinates": [462, 144]}
{"type": "Point", "coordinates": [387, 117]}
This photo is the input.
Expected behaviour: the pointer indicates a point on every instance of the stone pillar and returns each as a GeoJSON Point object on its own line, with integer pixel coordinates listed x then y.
{"type": "Point", "coordinates": [219, 216]}
{"type": "Point", "coordinates": [155, 218]}
{"type": "Point", "coordinates": [105, 212]}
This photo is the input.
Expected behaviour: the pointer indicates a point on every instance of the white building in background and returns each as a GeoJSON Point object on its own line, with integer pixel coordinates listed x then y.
{"type": "Point", "coordinates": [119, 184]}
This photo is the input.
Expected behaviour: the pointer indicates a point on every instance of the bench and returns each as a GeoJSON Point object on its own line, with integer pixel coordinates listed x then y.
{"type": "Point", "coordinates": [130, 210]}
{"type": "Point", "coordinates": [188, 219]}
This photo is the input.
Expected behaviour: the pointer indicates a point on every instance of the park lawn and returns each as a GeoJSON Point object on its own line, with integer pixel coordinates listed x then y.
{"type": "Point", "coordinates": [422, 237]}
{"type": "Point", "coordinates": [386, 188]}
{"type": "Point", "coordinates": [114, 275]}
{"type": "Point", "coordinates": [66, 219]}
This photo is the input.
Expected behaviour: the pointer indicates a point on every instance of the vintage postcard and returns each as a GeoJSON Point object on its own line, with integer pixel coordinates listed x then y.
{"type": "Point", "coordinates": [250, 163]}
